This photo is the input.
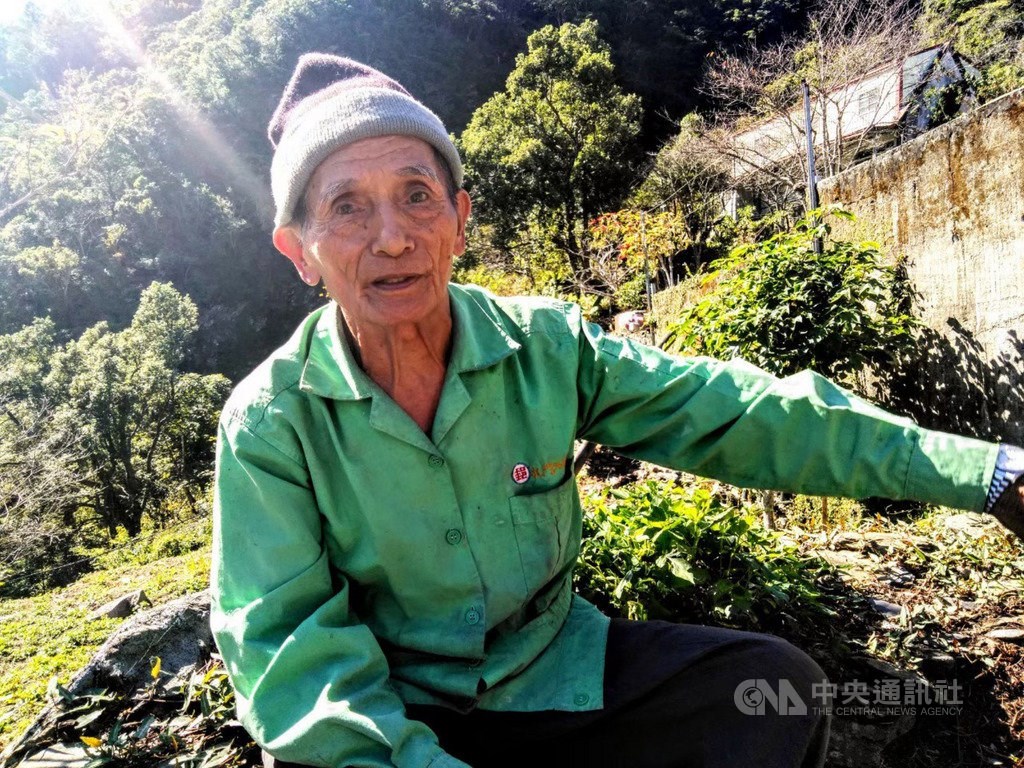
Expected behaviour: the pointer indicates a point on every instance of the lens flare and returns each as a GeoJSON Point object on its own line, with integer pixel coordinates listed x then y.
{"type": "Point", "coordinates": [238, 172]}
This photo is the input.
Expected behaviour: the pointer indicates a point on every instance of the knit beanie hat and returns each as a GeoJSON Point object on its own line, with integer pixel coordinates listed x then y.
{"type": "Point", "coordinates": [331, 101]}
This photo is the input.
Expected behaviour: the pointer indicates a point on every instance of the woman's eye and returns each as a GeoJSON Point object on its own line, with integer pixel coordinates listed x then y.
{"type": "Point", "coordinates": [344, 208]}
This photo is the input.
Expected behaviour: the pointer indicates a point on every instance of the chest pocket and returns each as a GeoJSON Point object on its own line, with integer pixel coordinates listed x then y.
{"type": "Point", "coordinates": [543, 524]}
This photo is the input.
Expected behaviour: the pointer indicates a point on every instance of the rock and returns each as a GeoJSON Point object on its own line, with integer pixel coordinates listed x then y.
{"type": "Point", "coordinates": [884, 541]}
{"type": "Point", "coordinates": [1008, 629]}
{"type": "Point", "coordinates": [887, 609]}
{"type": "Point", "coordinates": [898, 577]}
{"type": "Point", "coordinates": [937, 666]}
{"type": "Point", "coordinates": [58, 756]}
{"type": "Point", "coordinates": [120, 607]}
{"type": "Point", "coordinates": [972, 523]}
{"type": "Point", "coordinates": [854, 566]}
{"type": "Point", "coordinates": [847, 540]}
{"type": "Point", "coordinates": [878, 541]}
{"type": "Point", "coordinates": [1006, 634]}
{"type": "Point", "coordinates": [178, 633]}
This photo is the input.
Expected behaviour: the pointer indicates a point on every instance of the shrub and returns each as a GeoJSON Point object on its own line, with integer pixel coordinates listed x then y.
{"type": "Point", "coordinates": [654, 551]}
{"type": "Point", "coordinates": [785, 308]}
{"type": "Point", "coordinates": [631, 294]}
{"type": "Point", "coordinates": [494, 279]}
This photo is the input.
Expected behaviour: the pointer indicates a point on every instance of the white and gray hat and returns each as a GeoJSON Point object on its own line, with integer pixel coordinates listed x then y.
{"type": "Point", "coordinates": [331, 101]}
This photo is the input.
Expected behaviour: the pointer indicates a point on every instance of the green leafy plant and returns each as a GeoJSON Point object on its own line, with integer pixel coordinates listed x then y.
{"type": "Point", "coordinates": [785, 308]}
{"type": "Point", "coordinates": [655, 551]}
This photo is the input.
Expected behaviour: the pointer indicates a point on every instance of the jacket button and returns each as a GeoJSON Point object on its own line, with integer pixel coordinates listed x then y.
{"type": "Point", "coordinates": [435, 460]}
{"type": "Point", "coordinates": [473, 616]}
{"type": "Point", "coordinates": [454, 536]}
{"type": "Point", "coordinates": [580, 699]}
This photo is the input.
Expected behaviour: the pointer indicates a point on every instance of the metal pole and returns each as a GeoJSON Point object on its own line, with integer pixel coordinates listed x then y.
{"type": "Point", "coordinates": [812, 182]}
{"type": "Point", "coordinates": [648, 288]}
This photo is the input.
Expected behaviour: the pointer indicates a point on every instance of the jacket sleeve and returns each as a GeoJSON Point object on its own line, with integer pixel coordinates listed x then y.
{"type": "Point", "coordinates": [734, 422]}
{"type": "Point", "coordinates": [311, 682]}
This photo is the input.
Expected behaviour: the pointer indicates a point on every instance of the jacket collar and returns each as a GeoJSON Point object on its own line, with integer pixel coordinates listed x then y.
{"type": "Point", "coordinates": [331, 369]}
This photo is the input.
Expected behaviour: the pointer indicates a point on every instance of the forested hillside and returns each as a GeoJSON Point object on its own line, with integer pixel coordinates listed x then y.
{"type": "Point", "coordinates": [134, 205]}
{"type": "Point", "coordinates": [137, 276]}
{"type": "Point", "coordinates": [134, 144]}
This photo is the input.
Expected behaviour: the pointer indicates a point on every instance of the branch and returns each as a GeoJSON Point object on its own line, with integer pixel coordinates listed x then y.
{"type": "Point", "coordinates": [60, 175]}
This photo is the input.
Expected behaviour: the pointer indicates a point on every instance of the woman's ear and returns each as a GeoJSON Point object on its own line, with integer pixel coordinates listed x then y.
{"type": "Point", "coordinates": [289, 242]}
{"type": "Point", "coordinates": [463, 207]}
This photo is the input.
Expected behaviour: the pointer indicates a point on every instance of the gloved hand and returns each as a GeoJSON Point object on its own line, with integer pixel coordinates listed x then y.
{"type": "Point", "coordinates": [1009, 507]}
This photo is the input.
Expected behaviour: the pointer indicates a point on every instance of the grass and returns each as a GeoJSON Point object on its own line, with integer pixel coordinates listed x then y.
{"type": "Point", "coordinates": [48, 635]}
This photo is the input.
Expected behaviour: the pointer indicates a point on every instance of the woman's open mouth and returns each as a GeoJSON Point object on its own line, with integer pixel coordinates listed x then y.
{"type": "Point", "coordinates": [395, 283]}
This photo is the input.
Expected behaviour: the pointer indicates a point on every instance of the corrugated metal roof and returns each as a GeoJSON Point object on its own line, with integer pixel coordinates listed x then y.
{"type": "Point", "coordinates": [915, 70]}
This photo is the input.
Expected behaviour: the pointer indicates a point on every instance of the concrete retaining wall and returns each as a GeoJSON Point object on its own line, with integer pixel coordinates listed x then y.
{"type": "Point", "coordinates": [952, 202]}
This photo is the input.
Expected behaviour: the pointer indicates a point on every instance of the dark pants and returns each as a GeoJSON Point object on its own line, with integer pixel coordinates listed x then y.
{"type": "Point", "coordinates": [670, 700]}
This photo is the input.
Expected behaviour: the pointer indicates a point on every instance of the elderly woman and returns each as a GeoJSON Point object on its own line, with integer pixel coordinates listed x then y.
{"type": "Point", "coordinates": [396, 517]}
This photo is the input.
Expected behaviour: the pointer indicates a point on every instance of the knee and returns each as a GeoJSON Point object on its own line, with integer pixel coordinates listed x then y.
{"type": "Point", "coordinates": [786, 660]}
{"type": "Point", "coordinates": [786, 657]}
{"type": "Point", "coordinates": [780, 663]}
{"type": "Point", "coordinates": [792, 684]}
{"type": "Point", "coordinates": [786, 665]}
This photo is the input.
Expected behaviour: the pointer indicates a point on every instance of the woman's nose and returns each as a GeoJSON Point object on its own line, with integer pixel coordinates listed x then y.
{"type": "Point", "coordinates": [391, 237]}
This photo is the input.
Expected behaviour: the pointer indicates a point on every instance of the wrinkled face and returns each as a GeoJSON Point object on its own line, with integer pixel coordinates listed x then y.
{"type": "Point", "coordinates": [381, 232]}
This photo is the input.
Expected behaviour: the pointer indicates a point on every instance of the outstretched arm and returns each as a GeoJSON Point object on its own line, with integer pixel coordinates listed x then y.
{"type": "Point", "coordinates": [737, 423]}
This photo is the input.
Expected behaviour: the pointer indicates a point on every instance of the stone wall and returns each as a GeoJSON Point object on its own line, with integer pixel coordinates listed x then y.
{"type": "Point", "coordinates": [952, 203]}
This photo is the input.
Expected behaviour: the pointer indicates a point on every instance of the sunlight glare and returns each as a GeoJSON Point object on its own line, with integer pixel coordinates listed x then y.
{"type": "Point", "coordinates": [242, 177]}
{"type": "Point", "coordinates": [11, 10]}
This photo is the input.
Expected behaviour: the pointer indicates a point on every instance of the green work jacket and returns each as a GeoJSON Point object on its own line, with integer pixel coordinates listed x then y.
{"type": "Point", "coordinates": [360, 564]}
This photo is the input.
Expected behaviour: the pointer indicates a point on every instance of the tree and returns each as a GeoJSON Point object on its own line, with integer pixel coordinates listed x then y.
{"type": "Point", "coordinates": [629, 244]}
{"type": "Point", "coordinates": [674, 221]}
{"type": "Point", "coordinates": [990, 34]}
{"type": "Point", "coordinates": [143, 421]}
{"type": "Point", "coordinates": [43, 475]}
{"type": "Point", "coordinates": [43, 469]}
{"type": "Point", "coordinates": [553, 149]}
{"type": "Point", "coordinates": [659, 46]}
{"type": "Point", "coordinates": [45, 41]}
{"type": "Point", "coordinates": [687, 180]}
{"type": "Point", "coordinates": [107, 424]}
{"type": "Point", "coordinates": [761, 127]}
